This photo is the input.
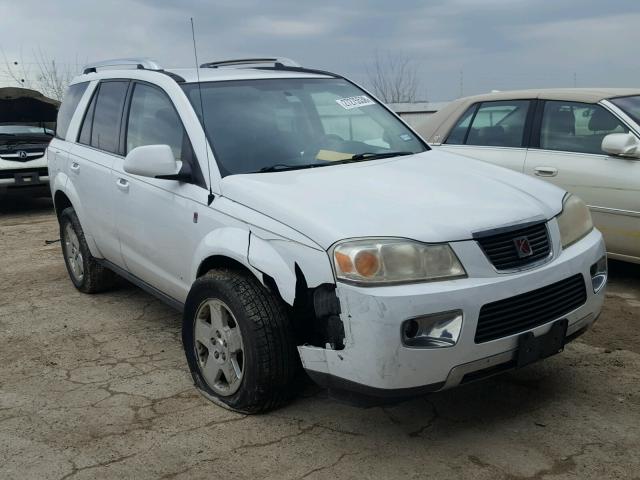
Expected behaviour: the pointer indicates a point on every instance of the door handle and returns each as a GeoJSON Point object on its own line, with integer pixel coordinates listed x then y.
{"type": "Point", "coordinates": [545, 171]}
{"type": "Point", "coordinates": [123, 184]}
{"type": "Point", "coordinates": [75, 167]}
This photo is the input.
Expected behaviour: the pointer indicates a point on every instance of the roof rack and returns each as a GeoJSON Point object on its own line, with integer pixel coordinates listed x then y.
{"type": "Point", "coordinates": [139, 63]}
{"type": "Point", "coordinates": [277, 61]}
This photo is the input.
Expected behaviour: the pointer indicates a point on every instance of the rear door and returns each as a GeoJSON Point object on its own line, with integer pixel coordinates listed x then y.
{"type": "Point", "coordinates": [566, 150]}
{"type": "Point", "coordinates": [91, 161]}
{"type": "Point", "coordinates": [496, 132]}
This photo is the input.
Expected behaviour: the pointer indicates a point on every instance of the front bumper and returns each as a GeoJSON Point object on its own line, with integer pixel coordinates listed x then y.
{"type": "Point", "coordinates": [374, 360]}
{"type": "Point", "coordinates": [24, 179]}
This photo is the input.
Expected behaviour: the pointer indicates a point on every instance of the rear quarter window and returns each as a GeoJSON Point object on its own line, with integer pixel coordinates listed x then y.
{"type": "Point", "coordinates": [67, 109]}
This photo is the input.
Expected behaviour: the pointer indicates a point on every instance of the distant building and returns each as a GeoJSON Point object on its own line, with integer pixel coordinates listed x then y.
{"type": "Point", "coordinates": [416, 113]}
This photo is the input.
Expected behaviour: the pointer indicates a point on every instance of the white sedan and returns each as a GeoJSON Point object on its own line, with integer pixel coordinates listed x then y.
{"type": "Point", "coordinates": [584, 140]}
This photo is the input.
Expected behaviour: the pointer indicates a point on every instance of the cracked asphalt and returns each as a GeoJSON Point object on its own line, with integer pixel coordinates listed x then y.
{"type": "Point", "coordinates": [97, 387]}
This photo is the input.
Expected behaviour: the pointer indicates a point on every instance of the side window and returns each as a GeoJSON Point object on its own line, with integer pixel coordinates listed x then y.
{"type": "Point", "coordinates": [499, 124]}
{"type": "Point", "coordinates": [101, 125]}
{"type": "Point", "coordinates": [154, 121]}
{"type": "Point", "coordinates": [87, 122]}
{"type": "Point", "coordinates": [67, 109]}
{"type": "Point", "coordinates": [577, 127]}
{"type": "Point", "coordinates": [459, 132]}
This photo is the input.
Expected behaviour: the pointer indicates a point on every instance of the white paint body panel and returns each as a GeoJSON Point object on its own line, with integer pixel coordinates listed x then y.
{"type": "Point", "coordinates": [430, 197]}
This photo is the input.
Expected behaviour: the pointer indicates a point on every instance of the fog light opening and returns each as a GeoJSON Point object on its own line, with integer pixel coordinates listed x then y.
{"type": "Point", "coordinates": [411, 329]}
{"type": "Point", "coordinates": [599, 274]}
{"type": "Point", "coordinates": [439, 330]}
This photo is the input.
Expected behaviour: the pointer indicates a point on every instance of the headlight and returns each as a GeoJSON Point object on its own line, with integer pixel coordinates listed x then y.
{"type": "Point", "coordinates": [376, 261]}
{"type": "Point", "coordinates": [574, 221]}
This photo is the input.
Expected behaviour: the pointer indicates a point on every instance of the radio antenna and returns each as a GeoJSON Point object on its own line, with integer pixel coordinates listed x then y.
{"type": "Point", "coordinates": [204, 126]}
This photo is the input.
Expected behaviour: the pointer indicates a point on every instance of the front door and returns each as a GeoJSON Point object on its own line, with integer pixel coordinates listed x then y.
{"type": "Point", "coordinates": [570, 155]}
{"type": "Point", "coordinates": [157, 219]}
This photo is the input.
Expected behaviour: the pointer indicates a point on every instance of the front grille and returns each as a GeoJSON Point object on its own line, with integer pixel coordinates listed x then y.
{"type": "Point", "coordinates": [501, 247]}
{"type": "Point", "coordinates": [12, 155]}
{"type": "Point", "coordinates": [529, 310]}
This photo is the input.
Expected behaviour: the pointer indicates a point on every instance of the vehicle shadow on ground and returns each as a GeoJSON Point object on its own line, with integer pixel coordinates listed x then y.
{"type": "Point", "coordinates": [18, 204]}
{"type": "Point", "coordinates": [513, 398]}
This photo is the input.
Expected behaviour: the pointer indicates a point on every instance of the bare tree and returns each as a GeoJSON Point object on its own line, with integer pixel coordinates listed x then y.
{"type": "Point", "coordinates": [393, 78]}
{"type": "Point", "coordinates": [45, 74]}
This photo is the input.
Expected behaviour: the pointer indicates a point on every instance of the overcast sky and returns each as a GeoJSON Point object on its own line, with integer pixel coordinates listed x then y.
{"type": "Point", "coordinates": [496, 44]}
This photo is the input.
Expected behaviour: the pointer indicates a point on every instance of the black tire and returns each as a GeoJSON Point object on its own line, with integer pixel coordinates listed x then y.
{"type": "Point", "coordinates": [95, 277]}
{"type": "Point", "coordinates": [271, 361]}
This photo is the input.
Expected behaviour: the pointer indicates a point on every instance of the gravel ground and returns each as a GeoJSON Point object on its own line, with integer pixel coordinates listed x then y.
{"type": "Point", "coordinates": [97, 387]}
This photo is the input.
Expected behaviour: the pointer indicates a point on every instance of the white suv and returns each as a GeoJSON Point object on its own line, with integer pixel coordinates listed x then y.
{"type": "Point", "coordinates": [291, 216]}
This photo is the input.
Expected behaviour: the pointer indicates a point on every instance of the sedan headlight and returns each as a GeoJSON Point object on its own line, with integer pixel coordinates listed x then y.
{"type": "Point", "coordinates": [574, 221]}
{"type": "Point", "coordinates": [379, 261]}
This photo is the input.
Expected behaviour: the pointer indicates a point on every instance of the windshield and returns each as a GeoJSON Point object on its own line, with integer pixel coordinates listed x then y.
{"type": "Point", "coordinates": [259, 125]}
{"type": "Point", "coordinates": [630, 105]}
{"type": "Point", "coordinates": [26, 128]}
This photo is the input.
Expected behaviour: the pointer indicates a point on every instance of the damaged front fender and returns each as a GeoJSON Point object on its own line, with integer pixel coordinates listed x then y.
{"type": "Point", "coordinates": [278, 257]}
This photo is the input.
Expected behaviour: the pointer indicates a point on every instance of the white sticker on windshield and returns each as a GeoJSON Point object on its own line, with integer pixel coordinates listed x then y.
{"type": "Point", "coordinates": [355, 102]}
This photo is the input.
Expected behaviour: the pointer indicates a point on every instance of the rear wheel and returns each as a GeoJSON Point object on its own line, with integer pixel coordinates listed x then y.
{"type": "Point", "coordinates": [238, 342]}
{"type": "Point", "coordinates": [85, 272]}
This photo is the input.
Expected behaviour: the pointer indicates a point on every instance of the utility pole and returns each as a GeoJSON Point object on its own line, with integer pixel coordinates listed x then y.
{"type": "Point", "coordinates": [575, 79]}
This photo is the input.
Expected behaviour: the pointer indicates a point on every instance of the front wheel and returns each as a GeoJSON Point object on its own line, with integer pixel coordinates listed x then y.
{"type": "Point", "coordinates": [238, 342]}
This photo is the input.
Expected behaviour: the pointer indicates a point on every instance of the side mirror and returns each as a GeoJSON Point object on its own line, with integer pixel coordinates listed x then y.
{"type": "Point", "coordinates": [155, 161]}
{"type": "Point", "coordinates": [622, 145]}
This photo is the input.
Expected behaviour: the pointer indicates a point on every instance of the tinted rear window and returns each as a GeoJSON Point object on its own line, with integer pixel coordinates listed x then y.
{"type": "Point", "coordinates": [67, 109]}
{"type": "Point", "coordinates": [105, 134]}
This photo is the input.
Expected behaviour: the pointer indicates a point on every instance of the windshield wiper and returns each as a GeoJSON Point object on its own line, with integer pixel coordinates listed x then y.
{"type": "Point", "coordinates": [373, 155]}
{"type": "Point", "coordinates": [281, 167]}
{"type": "Point", "coordinates": [359, 157]}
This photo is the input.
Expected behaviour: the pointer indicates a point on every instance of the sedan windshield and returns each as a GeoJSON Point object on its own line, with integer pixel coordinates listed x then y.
{"type": "Point", "coordinates": [24, 129]}
{"type": "Point", "coordinates": [280, 124]}
{"type": "Point", "coordinates": [630, 105]}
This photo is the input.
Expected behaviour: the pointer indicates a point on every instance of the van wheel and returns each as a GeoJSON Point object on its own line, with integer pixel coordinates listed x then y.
{"type": "Point", "coordinates": [85, 272]}
{"type": "Point", "coordinates": [238, 342]}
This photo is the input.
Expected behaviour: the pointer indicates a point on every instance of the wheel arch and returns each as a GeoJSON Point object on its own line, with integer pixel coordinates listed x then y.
{"type": "Point", "coordinates": [301, 277]}
{"type": "Point", "coordinates": [65, 196]}
{"type": "Point", "coordinates": [60, 202]}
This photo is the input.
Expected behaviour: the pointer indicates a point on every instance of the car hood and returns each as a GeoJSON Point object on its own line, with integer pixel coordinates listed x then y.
{"type": "Point", "coordinates": [431, 197]}
{"type": "Point", "coordinates": [25, 105]}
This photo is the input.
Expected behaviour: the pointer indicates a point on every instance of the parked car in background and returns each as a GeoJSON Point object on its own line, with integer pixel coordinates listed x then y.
{"type": "Point", "coordinates": [584, 140]}
{"type": "Point", "coordinates": [292, 217]}
{"type": "Point", "coordinates": [27, 125]}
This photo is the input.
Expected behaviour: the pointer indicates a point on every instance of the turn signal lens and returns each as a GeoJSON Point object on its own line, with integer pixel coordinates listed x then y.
{"type": "Point", "coordinates": [343, 262]}
{"type": "Point", "coordinates": [379, 261]}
